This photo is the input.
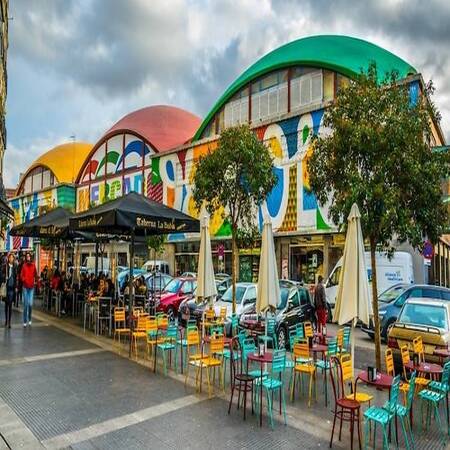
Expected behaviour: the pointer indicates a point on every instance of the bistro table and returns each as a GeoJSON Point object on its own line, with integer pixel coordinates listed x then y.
{"type": "Point", "coordinates": [442, 353]}
{"type": "Point", "coordinates": [321, 348]}
{"type": "Point", "coordinates": [431, 369]}
{"type": "Point", "coordinates": [267, 358]}
{"type": "Point", "coordinates": [382, 380]}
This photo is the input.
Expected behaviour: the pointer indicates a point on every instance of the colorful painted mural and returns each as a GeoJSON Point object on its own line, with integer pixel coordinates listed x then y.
{"type": "Point", "coordinates": [292, 205]}
{"type": "Point", "coordinates": [27, 207]}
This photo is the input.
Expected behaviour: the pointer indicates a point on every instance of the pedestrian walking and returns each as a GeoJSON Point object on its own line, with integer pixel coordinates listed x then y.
{"type": "Point", "coordinates": [28, 276]}
{"type": "Point", "coordinates": [9, 277]}
{"type": "Point", "coordinates": [320, 303]}
{"type": "Point", "coordinates": [19, 281]}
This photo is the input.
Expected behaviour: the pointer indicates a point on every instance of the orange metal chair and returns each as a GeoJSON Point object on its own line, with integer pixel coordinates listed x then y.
{"type": "Point", "coordinates": [151, 329]}
{"type": "Point", "coordinates": [421, 382]}
{"type": "Point", "coordinates": [120, 323]}
{"type": "Point", "coordinates": [139, 333]}
{"type": "Point", "coordinates": [301, 353]}
{"type": "Point", "coordinates": [309, 332]}
{"type": "Point", "coordinates": [347, 376]}
{"type": "Point", "coordinates": [390, 370]}
{"type": "Point", "coordinates": [210, 361]}
{"type": "Point", "coordinates": [419, 348]}
{"type": "Point", "coordinates": [193, 354]}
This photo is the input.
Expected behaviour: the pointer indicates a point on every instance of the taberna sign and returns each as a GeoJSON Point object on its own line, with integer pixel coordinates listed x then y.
{"type": "Point", "coordinates": [89, 222]}
{"type": "Point", "coordinates": [156, 224]}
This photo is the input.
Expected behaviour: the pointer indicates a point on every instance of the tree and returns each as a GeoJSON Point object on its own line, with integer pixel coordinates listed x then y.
{"type": "Point", "coordinates": [237, 176]}
{"type": "Point", "coordinates": [379, 156]}
{"type": "Point", "coordinates": [157, 244]}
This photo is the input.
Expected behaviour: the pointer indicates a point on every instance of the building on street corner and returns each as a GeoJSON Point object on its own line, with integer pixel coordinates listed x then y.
{"type": "Point", "coordinates": [283, 97]}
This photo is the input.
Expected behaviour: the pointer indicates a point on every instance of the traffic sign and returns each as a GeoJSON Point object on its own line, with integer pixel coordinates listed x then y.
{"type": "Point", "coordinates": [428, 250]}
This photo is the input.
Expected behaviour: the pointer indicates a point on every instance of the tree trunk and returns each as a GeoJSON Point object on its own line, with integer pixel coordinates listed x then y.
{"type": "Point", "coordinates": [376, 318]}
{"type": "Point", "coordinates": [234, 251]}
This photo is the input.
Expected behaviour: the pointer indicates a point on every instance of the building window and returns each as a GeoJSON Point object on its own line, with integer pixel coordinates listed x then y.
{"type": "Point", "coordinates": [236, 110]}
{"type": "Point", "coordinates": [270, 96]}
{"type": "Point", "coordinates": [306, 87]}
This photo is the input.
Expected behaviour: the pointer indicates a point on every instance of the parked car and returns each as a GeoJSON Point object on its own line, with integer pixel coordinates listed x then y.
{"type": "Point", "coordinates": [159, 266]}
{"type": "Point", "coordinates": [295, 306]}
{"type": "Point", "coordinates": [392, 299]}
{"type": "Point", "coordinates": [125, 274]}
{"type": "Point", "coordinates": [222, 284]}
{"type": "Point", "coordinates": [177, 290]}
{"type": "Point", "coordinates": [190, 309]}
{"type": "Point", "coordinates": [423, 317]}
{"type": "Point", "coordinates": [189, 275]}
{"type": "Point", "coordinates": [156, 282]}
{"type": "Point", "coordinates": [245, 299]}
{"type": "Point", "coordinates": [390, 271]}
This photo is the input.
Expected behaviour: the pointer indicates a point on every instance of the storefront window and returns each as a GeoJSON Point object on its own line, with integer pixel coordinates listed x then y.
{"type": "Point", "coordinates": [306, 264]}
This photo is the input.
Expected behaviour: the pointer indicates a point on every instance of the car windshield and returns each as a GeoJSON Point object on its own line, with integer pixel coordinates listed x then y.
{"type": "Point", "coordinates": [228, 296]}
{"type": "Point", "coordinates": [391, 293]}
{"type": "Point", "coordinates": [173, 286]}
{"type": "Point", "coordinates": [428, 315]}
{"type": "Point", "coordinates": [284, 293]}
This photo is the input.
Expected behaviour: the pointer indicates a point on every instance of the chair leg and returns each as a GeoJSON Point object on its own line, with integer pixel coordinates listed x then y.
{"type": "Point", "coordinates": [351, 429]}
{"type": "Point", "coordinates": [231, 398]}
{"type": "Point", "coordinates": [359, 428]}
{"type": "Point", "coordinates": [385, 439]}
{"type": "Point", "coordinates": [405, 435]}
{"type": "Point", "coordinates": [283, 401]}
{"type": "Point", "coordinates": [269, 407]}
{"type": "Point", "coordinates": [334, 424]}
{"type": "Point", "coordinates": [366, 433]}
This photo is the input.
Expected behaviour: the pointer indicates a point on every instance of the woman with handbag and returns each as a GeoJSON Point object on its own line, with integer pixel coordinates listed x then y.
{"type": "Point", "coordinates": [9, 286]}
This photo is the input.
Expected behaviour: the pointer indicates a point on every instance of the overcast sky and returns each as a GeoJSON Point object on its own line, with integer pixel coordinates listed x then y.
{"type": "Point", "coordinates": [76, 67]}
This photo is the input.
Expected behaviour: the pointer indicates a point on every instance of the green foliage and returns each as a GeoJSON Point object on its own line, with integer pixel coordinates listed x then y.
{"type": "Point", "coordinates": [379, 156]}
{"type": "Point", "coordinates": [248, 237]}
{"type": "Point", "coordinates": [237, 175]}
{"type": "Point", "coordinates": [156, 243]}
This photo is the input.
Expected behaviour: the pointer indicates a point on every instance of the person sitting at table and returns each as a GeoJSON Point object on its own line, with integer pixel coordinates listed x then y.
{"type": "Point", "coordinates": [66, 297]}
{"type": "Point", "coordinates": [55, 282]}
{"type": "Point", "coordinates": [141, 286]}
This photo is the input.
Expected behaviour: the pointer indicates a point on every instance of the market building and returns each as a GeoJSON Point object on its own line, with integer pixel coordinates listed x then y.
{"type": "Point", "coordinates": [283, 97]}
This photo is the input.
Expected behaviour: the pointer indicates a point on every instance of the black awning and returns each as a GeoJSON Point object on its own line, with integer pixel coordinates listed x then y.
{"type": "Point", "coordinates": [134, 212]}
{"type": "Point", "coordinates": [52, 225]}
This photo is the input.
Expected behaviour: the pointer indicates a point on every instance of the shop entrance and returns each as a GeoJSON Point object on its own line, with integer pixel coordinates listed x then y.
{"type": "Point", "coordinates": [306, 263]}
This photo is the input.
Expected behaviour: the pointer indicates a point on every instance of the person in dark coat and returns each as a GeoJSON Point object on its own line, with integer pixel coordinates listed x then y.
{"type": "Point", "coordinates": [9, 277]}
{"type": "Point", "coordinates": [320, 303]}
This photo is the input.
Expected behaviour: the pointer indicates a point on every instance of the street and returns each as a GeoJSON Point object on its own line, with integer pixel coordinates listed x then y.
{"type": "Point", "coordinates": [64, 389]}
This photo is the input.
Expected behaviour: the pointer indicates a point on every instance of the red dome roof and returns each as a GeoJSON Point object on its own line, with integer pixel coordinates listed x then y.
{"type": "Point", "coordinates": [165, 127]}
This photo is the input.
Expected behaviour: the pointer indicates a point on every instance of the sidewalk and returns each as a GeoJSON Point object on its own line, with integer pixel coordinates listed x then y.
{"type": "Point", "coordinates": [62, 388]}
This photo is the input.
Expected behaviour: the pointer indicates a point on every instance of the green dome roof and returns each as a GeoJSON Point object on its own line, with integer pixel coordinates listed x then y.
{"type": "Point", "coordinates": [343, 54]}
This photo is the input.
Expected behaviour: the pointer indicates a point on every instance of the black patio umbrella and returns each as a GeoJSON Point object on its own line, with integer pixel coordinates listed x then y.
{"type": "Point", "coordinates": [135, 215]}
{"type": "Point", "coordinates": [53, 225]}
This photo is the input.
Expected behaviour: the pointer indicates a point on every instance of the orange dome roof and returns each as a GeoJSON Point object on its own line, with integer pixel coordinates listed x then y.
{"type": "Point", "coordinates": [165, 127]}
{"type": "Point", "coordinates": [64, 161]}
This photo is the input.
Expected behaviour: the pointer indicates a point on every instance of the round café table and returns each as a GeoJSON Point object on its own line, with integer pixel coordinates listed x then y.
{"type": "Point", "coordinates": [382, 381]}
{"type": "Point", "coordinates": [442, 353]}
{"type": "Point", "coordinates": [431, 369]}
{"type": "Point", "coordinates": [267, 358]}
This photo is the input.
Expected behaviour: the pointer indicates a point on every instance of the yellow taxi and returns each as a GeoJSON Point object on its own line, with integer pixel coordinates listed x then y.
{"type": "Point", "coordinates": [423, 317]}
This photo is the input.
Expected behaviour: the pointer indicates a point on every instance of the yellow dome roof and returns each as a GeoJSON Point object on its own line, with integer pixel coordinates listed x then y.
{"type": "Point", "coordinates": [64, 161]}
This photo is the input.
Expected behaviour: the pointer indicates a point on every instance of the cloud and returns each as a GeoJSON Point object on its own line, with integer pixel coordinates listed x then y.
{"type": "Point", "coordinates": [75, 67]}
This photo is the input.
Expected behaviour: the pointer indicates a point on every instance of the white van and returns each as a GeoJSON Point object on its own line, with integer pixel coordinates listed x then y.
{"type": "Point", "coordinates": [162, 266]}
{"type": "Point", "coordinates": [104, 264]}
{"type": "Point", "coordinates": [399, 269]}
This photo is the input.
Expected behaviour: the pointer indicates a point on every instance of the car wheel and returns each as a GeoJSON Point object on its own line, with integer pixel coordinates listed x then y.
{"type": "Point", "coordinates": [385, 330]}
{"type": "Point", "coordinates": [282, 338]}
{"type": "Point", "coordinates": [171, 314]}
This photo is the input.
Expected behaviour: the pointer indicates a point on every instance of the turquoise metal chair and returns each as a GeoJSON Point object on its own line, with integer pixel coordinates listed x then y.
{"type": "Point", "coordinates": [403, 411]}
{"type": "Point", "coordinates": [271, 336]}
{"type": "Point", "coordinates": [168, 345]}
{"type": "Point", "coordinates": [383, 416]}
{"type": "Point", "coordinates": [326, 364]}
{"type": "Point", "coordinates": [249, 346]}
{"type": "Point", "coordinates": [274, 383]}
{"type": "Point", "coordinates": [346, 340]}
{"type": "Point", "coordinates": [296, 333]}
{"type": "Point", "coordinates": [443, 387]}
{"type": "Point", "coordinates": [234, 325]}
{"type": "Point", "coordinates": [432, 400]}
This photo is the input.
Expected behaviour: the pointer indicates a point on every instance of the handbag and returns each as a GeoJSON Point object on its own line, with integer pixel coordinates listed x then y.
{"type": "Point", "coordinates": [3, 290]}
